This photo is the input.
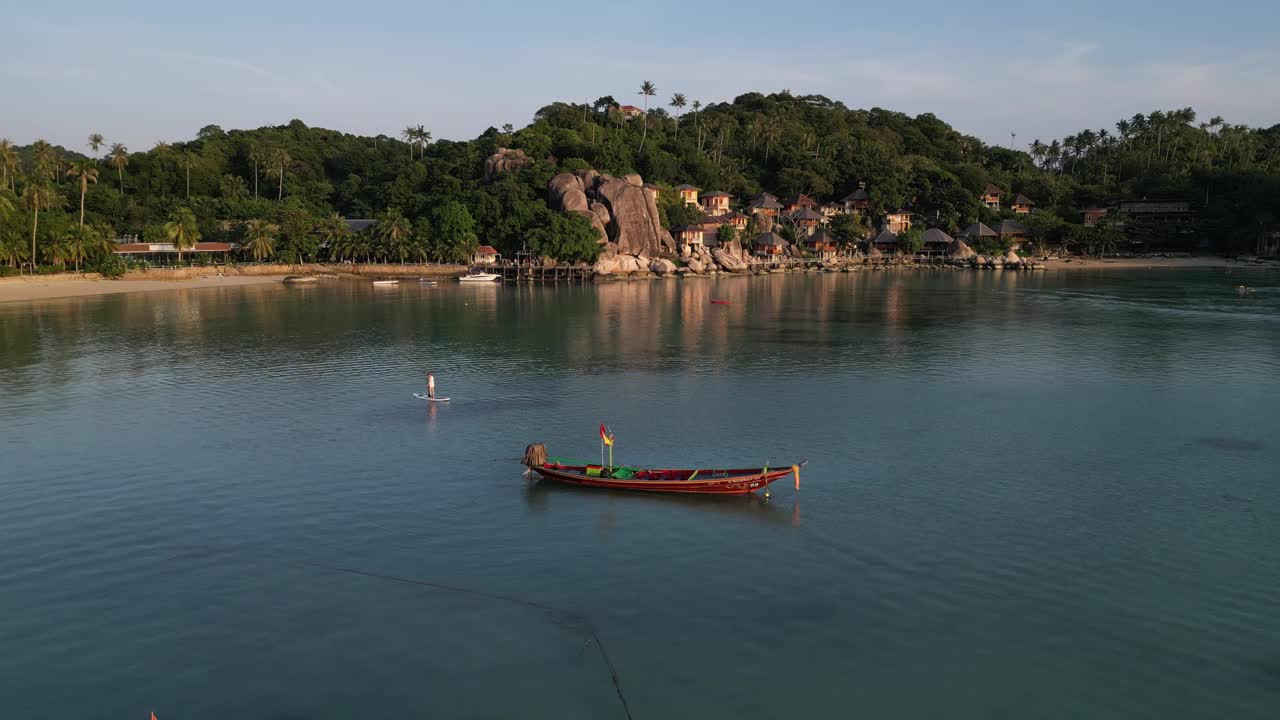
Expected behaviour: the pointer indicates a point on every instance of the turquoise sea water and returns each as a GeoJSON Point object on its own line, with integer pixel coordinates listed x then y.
{"type": "Point", "coordinates": [1029, 495]}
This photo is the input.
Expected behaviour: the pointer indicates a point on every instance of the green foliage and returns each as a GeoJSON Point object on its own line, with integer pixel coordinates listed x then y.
{"type": "Point", "coordinates": [847, 230]}
{"type": "Point", "coordinates": [910, 241]}
{"type": "Point", "coordinates": [8, 271]}
{"type": "Point", "coordinates": [727, 234]}
{"type": "Point", "coordinates": [991, 245]}
{"type": "Point", "coordinates": [565, 236]}
{"type": "Point", "coordinates": [454, 232]}
{"type": "Point", "coordinates": [110, 266]}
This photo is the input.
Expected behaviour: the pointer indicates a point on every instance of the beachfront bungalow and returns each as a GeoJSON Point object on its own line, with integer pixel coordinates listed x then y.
{"type": "Point", "coordinates": [716, 202]}
{"type": "Point", "coordinates": [991, 196]}
{"type": "Point", "coordinates": [166, 252]}
{"type": "Point", "coordinates": [1012, 231]}
{"type": "Point", "coordinates": [822, 244]}
{"type": "Point", "coordinates": [688, 193]}
{"type": "Point", "coordinates": [978, 231]}
{"type": "Point", "coordinates": [1094, 215]}
{"type": "Point", "coordinates": [485, 255]}
{"type": "Point", "coordinates": [768, 245]}
{"type": "Point", "coordinates": [897, 221]}
{"type": "Point", "coordinates": [736, 219]}
{"type": "Point", "coordinates": [886, 242]}
{"type": "Point", "coordinates": [1022, 204]}
{"type": "Point", "coordinates": [806, 220]}
{"type": "Point", "coordinates": [857, 201]}
{"type": "Point", "coordinates": [764, 204]}
{"type": "Point", "coordinates": [830, 210]}
{"type": "Point", "coordinates": [690, 235]}
{"type": "Point", "coordinates": [631, 111]}
{"type": "Point", "coordinates": [801, 201]}
{"type": "Point", "coordinates": [936, 242]}
{"type": "Point", "coordinates": [710, 227]}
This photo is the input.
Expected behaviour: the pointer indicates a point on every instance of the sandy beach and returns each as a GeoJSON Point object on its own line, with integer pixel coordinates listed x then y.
{"type": "Point", "coordinates": [47, 288]}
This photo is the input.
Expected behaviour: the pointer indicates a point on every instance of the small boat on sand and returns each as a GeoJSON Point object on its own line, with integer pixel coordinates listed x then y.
{"type": "Point", "coordinates": [427, 281]}
{"type": "Point", "coordinates": [704, 481]}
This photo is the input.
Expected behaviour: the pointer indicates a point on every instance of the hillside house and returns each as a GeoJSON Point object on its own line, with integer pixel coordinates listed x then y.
{"type": "Point", "coordinates": [991, 197]}
{"type": "Point", "coordinates": [936, 242]}
{"type": "Point", "coordinates": [897, 221]}
{"type": "Point", "coordinates": [764, 204]}
{"type": "Point", "coordinates": [768, 245]}
{"type": "Point", "coordinates": [822, 244]}
{"type": "Point", "coordinates": [1012, 231]}
{"type": "Point", "coordinates": [1094, 215]}
{"type": "Point", "coordinates": [690, 235]}
{"type": "Point", "coordinates": [798, 203]}
{"type": "Point", "coordinates": [688, 193]}
{"type": "Point", "coordinates": [857, 201]}
{"type": "Point", "coordinates": [806, 219]}
{"type": "Point", "coordinates": [631, 111]}
{"type": "Point", "coordinates": [716, 202]}
{"type": "Point", "coordinates": [1022, 204]}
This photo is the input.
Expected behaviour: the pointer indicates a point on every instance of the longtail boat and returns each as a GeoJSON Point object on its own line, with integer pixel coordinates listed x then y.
{"type": "Point", "coordinates": [704, 481]}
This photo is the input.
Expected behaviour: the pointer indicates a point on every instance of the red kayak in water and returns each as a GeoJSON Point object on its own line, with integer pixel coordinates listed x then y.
{"type": "Point", "coordinates": [719, 302]}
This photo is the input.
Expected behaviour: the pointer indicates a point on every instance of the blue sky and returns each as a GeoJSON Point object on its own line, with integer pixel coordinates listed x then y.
{"type": "Point", "coordinates": [146, 71]}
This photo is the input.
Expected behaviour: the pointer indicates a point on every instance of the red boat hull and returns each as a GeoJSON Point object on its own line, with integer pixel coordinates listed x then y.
{"type": "Point", "coordinates": [700, 482]}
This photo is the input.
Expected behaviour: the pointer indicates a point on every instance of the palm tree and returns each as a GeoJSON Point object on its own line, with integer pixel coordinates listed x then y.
{"type": "Point", "coordinates": [37, 195]}
{"type": "Point", "coordinates": [256, 156]}
{"type": "Point", "coordinates": [79, 242]}
{"type": "Point", "coordinates": [95, 141]}
{"type": "Point", "coordinates": [87, 171]}
{"type": "Point", "coordinates": [279, 165]}
{"type": "Point", "coordinates": [334, 233]}
{"type": "Point", "coordinates": [647, 90]}
{"type": "Point", "coordinates": [678, 102]}
{"type": "Point", "coordinates": [410, 134]}
{"type": "Point", "coordinates": [13, 251]}
{"type": "Point", "coordinates": [262, 239]}
{"type": "Point", "coordinates": [118, 158]}
{"type": "Point", "coordinates": [772, 132]}
{"type": "Point", "coordinates": [186, 161]}
{"type": "Point", "coordinates": [394, 230]}
{"type": "Point", "coordinates": [424, 139]}
{"type": "Point", "coordinates": [182, 230]}
{"type": "Point", "coordinates": [9, 164]}
{"type": "Point", "coordinates": [46, 159]}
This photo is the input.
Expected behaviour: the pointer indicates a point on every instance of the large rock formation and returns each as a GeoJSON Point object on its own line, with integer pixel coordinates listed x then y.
{"type": "Point", "coordinates": [504, 161]}
{"type": "Point", "coordinates": [619, 206]}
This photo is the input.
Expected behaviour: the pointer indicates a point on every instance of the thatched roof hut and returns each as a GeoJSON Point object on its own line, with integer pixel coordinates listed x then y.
{"type": "Point", "coordinates": [978, 230]}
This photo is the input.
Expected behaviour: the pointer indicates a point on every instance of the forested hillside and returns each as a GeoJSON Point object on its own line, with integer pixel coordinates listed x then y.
{"type": "Point", "coordinates": [286, 187]}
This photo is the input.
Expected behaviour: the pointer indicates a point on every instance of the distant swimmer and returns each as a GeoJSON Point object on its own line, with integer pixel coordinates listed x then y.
{"type": "Point", "coordinates": [1244, 289]}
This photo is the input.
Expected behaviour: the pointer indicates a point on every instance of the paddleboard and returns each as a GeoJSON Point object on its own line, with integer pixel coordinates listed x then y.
{"type": "Point", "coordinates": [423, 396]}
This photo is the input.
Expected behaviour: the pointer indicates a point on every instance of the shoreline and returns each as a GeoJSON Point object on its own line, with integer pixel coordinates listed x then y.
{"type": "Point", "coordinates": [29, 288]}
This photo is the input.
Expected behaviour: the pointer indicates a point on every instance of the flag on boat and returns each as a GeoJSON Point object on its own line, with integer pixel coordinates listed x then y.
{"type": "Point", "coordinates": [153, 715]}
{"type": "Point", "coordinates": [606, 437]}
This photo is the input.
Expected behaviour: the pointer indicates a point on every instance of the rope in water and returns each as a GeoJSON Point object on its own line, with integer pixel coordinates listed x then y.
{"type": "Point", "coordinates": [574, 618]}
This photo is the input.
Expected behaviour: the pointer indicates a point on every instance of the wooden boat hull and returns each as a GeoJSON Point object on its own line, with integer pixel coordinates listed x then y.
{"type": "Point", "coordinates": [704, 482]}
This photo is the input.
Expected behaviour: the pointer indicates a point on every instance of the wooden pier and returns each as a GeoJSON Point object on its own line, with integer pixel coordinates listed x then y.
{"type": "Point", "coordinates": [514, 272]}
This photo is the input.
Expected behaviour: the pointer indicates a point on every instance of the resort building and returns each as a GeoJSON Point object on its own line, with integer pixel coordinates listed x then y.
{"type": "Point", "coordinates": [1093, 215]}
{"type": "Point", "coordinates": [710, 227]}
{"type": "Point", "coordinates": [806, 220]}
{"type": "Point", "coordinates": [716, 202]}
{"type": "Point", "coordinates": [687, 235]}
{"type": "Point", "coordinates": [1012, 231]}
{"type": "Point", "coordinates": [886, 242]}
{"type": "Point", "coordinates": [830, 210]}
{"type": "Point", "coordinates": [822, 244]}
{"type": "Point", "coordinates": [897, 221]}
{"type": "Point", "coordinates": [631, 111]}
{"type": "Point", "coordinates": [857, 201]}
{"type": "Point", "coordinates": [768, 245]}
{"type": "Point", "coordinates": [936, 242]}
{"type": "Point", "coordinates": [764, 204]}
{"type": "Point", "coordinates": [800, 202]}
{"type": "Point", "coordinates": [688, 193]}
{"type": "Point", "coordinates": [485, 255]}
{"type": "Point", "coordinates": [976, 232]}
{"type": "Point", "coordinates": [1022, 204]}
{"type": "Point", "coordinates": [991, 197]}
{"type": "Point", "coordinates": [165, 252]}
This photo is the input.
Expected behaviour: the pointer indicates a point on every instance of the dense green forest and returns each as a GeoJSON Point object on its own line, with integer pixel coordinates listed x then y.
{"type": "Point", "coordinates": [281, 192]}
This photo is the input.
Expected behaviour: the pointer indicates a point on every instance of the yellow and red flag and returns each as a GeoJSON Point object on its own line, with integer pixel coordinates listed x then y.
{"type": "Point", "coordinates": [606, 437]}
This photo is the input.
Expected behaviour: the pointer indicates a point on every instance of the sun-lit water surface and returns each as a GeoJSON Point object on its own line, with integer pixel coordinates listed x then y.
{"type": "Point", "coordinates": [1029, 495]}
